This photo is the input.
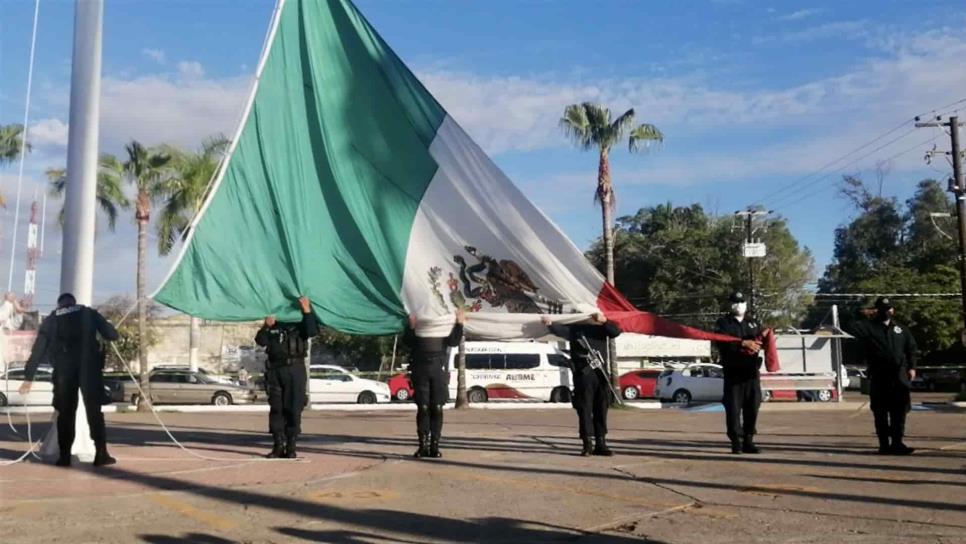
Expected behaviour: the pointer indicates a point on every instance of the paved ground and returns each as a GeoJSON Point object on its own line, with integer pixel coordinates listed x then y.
{"type": "Point", "coordinates": [507, 476]}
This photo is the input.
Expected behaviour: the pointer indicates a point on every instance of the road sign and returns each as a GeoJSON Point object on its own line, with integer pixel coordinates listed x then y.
{"type": "Point", "coordinates": [754, 250]}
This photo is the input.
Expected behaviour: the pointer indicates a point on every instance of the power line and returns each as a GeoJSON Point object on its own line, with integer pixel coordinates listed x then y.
{"type": "Point", "coordinates": [799, 181]}
{"type": "Point", "coordinates": [808, 195]}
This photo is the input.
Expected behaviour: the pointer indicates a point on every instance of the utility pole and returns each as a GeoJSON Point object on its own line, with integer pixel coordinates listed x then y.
{"type": "Point", "coordinates": [752, 248]}
{"type": "Point", "coordinates": [957, 187]}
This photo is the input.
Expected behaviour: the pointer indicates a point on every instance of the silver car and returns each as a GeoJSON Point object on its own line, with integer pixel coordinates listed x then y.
{"type": "Point", "coordinates": [186, 387]}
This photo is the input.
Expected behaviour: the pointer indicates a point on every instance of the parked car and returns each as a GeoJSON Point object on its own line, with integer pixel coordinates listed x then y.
{"type": "Point", "coordinates": [330, 383]}
{"type": "Point", "coordinates": [943, 379]}
{"type": "Point", "coordinates": [187, 387]}
{"type": "Point", "coordinates": [400, 387]}
{"type": "Point", "coordinates": [638, 384]}
{"type": "Point", "coordinates": [42, 391]}
{"type": "Point", "coordinates": [703, 382]}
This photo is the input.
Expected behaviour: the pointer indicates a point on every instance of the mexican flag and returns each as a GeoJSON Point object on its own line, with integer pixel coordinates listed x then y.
{"type": "Point", "coordinates": [349, 183]}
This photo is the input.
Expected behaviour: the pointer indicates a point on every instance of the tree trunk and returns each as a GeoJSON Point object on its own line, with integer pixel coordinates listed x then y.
{"type": "Point", "coordinates": [605, 194]}
{"type": "Point", "coordinates": [144, 403]}
{"type": "Point", "coordinates": [194, 341]}
{"type": "Point", "coordinates": [461, 400]}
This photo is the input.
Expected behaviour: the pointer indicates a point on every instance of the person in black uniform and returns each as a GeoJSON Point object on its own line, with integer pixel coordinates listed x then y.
{"type": "Point", "coordinates": [742, 384]}
{"type": "Point", "coordinates": [286, 345]}
{"type": "Point", "coordinates": [890, 352]}
{"type": "Point", "coordinates": [68, 339]}
{"type": "Point", "coordinates": [592, 391]}
{"type": "Point", "coordinates": [428, 372]}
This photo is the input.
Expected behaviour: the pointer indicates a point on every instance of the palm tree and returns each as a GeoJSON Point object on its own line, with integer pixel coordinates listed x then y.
{"type": "Point", "coordinates": [147, 170]}
{"type": "Point", "coordinates": [110, 193]}
{"type": "Point", "coordinates": [185, 192]}
{"type": "Point", "coordinates": [590, 126]}
{"type": "Point", "coordinates": [11, 144]}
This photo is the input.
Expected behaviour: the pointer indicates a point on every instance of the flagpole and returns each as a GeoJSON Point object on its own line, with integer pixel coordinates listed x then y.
{"type": "Point", "coordinates": [77, 262]}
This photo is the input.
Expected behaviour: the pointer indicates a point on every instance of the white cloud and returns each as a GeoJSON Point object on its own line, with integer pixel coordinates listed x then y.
{"type": "Point", "coordinates": [168, 109]}
{"type": "Point", "coordinates": [800, 14]}
{"type": "Point", "coordinates": [157, 55]}
{"type": "Point", "coordinates": [52, 132]}
{"type": "Point", "coordinates": [191, 70]}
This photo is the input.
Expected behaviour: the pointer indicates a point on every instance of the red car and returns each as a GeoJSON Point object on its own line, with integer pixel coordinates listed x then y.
{"type": "Point", "coordinates": [400, 388]}
{"type": "Point", "coordinates": [638, 384]}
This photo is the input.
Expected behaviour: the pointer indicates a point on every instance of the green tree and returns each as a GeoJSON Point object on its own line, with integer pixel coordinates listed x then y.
{"type": "Point", "coordinates": [682, 262]}
{"type": "Point", "coordinates": [148, 171]}
{"type": "Point", "coordinates": [110, 192]}
{"type": "Point", "coordinates": [888, 248]}
{"type": "Point", "coordinates": [184, 194]}
{"type": "Point", "coordinates": [11, 144]}
{"type": "Point", "coordinates": [591, 127]}
{"type": "Point", "coordinates": [116, 309]}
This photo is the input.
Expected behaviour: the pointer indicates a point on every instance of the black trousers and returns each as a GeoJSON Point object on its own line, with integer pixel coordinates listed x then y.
{"type": "Point", "coordinates": [286, 397]}
{"type": "Point", "coordinates": [592, 400]}
{"type": "Point", "coordinates": [431, 389]}
{"type": "Point", "coordinates": [890, 401]}
{"type": "Point", "coordinates": [741, 400]}
{"type": "Point", "coordinates": [66, 387]}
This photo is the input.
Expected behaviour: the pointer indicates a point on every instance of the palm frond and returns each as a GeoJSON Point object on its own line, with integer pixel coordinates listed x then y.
{"type": "Point", "coordinates": [576, 127]}
{"type": "Point", "coordinates": [644, 134]}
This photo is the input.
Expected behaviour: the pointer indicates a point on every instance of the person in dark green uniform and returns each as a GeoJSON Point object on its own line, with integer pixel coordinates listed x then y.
{"type": "Point", "coordinates": [890, 352]}
{"type": "Point", "coordinates": [286, 345]}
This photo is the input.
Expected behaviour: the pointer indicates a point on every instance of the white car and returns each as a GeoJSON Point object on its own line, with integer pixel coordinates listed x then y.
{"type": "Point", "coordinates": [330, 383]}
{"type": "Point", "coordinates": [41, 393]}
{"type": "Point", "coordinates": [702, 382]}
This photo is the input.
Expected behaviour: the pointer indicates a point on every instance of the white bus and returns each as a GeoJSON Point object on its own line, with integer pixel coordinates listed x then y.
{"type": "Point", "coordinates": [513, 371]}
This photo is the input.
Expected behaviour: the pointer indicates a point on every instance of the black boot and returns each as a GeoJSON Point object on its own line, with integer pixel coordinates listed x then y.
{"type": "Point", "coordinates": [434, 447]}
{"type": "Point", "coordinates": [290, 448]}
{"type": "Point", "coordinates": [278, 447]}
{"type": "Point", "coordinates": [64, 459]}
{"type": "Point", "coordinates": [588, 448]}
{"type": "Point", "coordinates": [884, 447]}
{"type": "Point", "coordinates": [736, 446]}
{"type": "Point", "coordinates": [749, 445]}
{"type": "Point", "coordinates": [898, 448]}
{"type": "Point", "coordinates": [601, 448]}
{"type": "Point", "coordinates": [101, 457]}
{"type": "Point", "coordinates": [423, 449]}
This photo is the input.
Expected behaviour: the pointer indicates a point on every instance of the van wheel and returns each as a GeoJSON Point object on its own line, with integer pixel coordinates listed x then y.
{"type": "Point", "coordinates": [681, 396]}
{"type": "Point", "coordinates": [366, 397]}
{"type": "Point", "coordinates": [560, 394]}
{"type": "Point", "coordinates": [824, 395]}
{"type": "Point", "coordinates": [477, 394]}
{"type": "Point", "coordinates": [3, 399]}
{"type": "Point", "coordinates": [221, 399]}
{"type": "Point", "coordinates": [631, 392]}
{"type": "Point", "coordinates": [766, 396]}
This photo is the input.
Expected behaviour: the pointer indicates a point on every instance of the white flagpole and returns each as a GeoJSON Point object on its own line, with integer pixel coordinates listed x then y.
{"type": "Point", "coordinates": [77, 263]}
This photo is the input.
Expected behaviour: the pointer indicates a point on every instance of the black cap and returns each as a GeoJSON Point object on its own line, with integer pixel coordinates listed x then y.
{"type": "Point", "coordinates": [736, 297]}
{"type": "Point", "coordinates": [883, 303]}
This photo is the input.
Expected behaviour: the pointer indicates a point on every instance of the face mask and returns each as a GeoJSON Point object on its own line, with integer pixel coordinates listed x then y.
{"type": "Point", "coordinates": [739, 308]}
{"type": "Point", "coordinates": [884, 314]}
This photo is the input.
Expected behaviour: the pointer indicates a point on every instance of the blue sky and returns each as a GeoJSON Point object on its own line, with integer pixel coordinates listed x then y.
{"type": "Point", "coordinates": [752, 96]}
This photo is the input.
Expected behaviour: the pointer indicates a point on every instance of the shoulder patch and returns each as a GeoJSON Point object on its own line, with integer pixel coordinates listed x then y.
{"type": "Point", "coordinates": [897, 329]}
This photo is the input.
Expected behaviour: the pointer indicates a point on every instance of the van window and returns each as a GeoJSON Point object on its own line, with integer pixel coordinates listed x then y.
{"type": "Point", "coordinates": [556, 359]}
{"type": "Point", "coordinates": [522, 361]}
{"type": "Point", "coordinates": [478, 361]}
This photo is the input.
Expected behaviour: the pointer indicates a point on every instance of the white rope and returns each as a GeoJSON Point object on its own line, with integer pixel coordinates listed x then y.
{"type": "Point", "coordinates": [23, 147]}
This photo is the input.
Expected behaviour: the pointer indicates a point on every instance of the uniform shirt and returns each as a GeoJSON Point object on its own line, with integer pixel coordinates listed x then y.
{"type": "Point", "coordinates": [421, 348]}
{"type": "Point", "coordinates": [736, 362]}
{"type": "Point", "coordinates": [68, 338]}
{"type": "Point", "coordinates": [596, 335]}
{"type": "Point", "coordinates": [283, 341]}
{"type": "Point", "coordinates": [890, 350]}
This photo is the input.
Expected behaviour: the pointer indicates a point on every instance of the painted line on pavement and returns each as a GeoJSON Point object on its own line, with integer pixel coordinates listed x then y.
{"type": "Point", "coordinates": [189, 511]}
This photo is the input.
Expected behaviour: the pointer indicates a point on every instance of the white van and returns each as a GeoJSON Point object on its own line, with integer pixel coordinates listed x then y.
{"type": "Point", "coordinates": [513, 370]}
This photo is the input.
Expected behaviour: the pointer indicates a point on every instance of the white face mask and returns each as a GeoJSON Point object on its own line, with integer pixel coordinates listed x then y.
{"type": "Point", "coordinates": [739, 309]}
